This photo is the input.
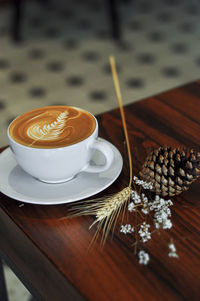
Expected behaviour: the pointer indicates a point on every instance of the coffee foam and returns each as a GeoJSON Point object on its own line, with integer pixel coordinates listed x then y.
{"type": "Point", "coordinates": [52, 127]}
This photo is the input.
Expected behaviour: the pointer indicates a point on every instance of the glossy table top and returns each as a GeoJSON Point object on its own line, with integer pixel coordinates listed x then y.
{"type": "Point", "coordinates": [51, 251]}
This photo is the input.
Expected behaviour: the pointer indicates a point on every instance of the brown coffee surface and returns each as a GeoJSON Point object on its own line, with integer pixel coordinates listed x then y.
{"type": "Point", "coordinates": [52, 127]}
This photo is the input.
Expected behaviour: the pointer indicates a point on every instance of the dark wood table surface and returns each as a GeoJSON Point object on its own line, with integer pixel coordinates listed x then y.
{"type": "Point", "coordinates": [49, 252]}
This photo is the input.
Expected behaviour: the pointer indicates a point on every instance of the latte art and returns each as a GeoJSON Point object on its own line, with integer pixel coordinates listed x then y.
{"type": "Point", "coordinates": [52, 131]}
{"type": "Point", "coordinates": [53, 126]}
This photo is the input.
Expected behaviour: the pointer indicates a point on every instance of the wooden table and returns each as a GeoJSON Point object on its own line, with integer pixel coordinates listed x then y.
{"type": "Point", "coordinates": [49, 252]}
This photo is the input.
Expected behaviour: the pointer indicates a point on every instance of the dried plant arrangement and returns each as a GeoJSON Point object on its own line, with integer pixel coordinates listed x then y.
{"type": "Point", "coordinates": [166, 173]}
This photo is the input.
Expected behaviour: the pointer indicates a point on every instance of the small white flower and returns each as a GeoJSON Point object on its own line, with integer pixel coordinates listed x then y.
{"type": "Point", "coordinates": [145, 210]}
{"type": "Point", "coordinates": [169, 202]}
{"type": "Point", "coordinates": [144, 232]}
{"type": "Point", "coordinates": [136, 197]}
{"type": "Point", "coordinates": [162, 212]}
{"type": "Point", "coordinates": [131, 207]}
{"type": "Point", "coordinates": [126, 229]}
{"type": "Point", "coordinates": [172, 247]}
{"type": "Point", "coordinates": [143, 257]}
{"type": "Point", "coordinates": [142, 183]}
{"type": "Point", "coordinates": [172, 252]}
{"type": "Point", "coordinates": [167, 224]}
{"type": "Point", "coordinates": [144, 198]}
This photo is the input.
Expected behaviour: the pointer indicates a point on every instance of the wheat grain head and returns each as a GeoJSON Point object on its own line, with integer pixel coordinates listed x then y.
{"type": "Point", "coordinates": [106, 210]}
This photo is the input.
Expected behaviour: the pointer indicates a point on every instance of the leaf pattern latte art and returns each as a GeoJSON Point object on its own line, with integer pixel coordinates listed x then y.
{"type": "Point", "coordinates": [48, 131]}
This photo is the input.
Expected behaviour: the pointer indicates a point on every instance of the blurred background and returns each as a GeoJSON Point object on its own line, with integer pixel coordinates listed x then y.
{"type": "Point", "coordinates": [57, 52]}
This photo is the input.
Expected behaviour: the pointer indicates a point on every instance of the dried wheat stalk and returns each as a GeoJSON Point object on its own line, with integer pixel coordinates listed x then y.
{"type": "Point", "coordinates": [107, 209]}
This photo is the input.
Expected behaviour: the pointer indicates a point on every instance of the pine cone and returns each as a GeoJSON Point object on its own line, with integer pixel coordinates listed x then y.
{"type": "Point", "coordinates": [171, 171]}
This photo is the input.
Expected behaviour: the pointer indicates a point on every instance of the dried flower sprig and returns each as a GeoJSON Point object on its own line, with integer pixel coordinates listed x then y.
{"type": "Point", "coordinates": [173, 252]}
{"type": "Point", "coordinates": [126, 229]}
{"type": "Point", "coordinates": [143, 257]}
{"type": "Point", "coordinates": [158, 213]}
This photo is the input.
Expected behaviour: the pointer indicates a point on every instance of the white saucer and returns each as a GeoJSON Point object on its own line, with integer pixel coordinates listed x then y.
{"type": "Point", "coordinates": [17, 184]}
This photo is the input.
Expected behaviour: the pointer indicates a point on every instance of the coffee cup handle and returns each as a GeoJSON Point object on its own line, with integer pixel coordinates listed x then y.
{"type": "Point", "coordinates": [107, 151]}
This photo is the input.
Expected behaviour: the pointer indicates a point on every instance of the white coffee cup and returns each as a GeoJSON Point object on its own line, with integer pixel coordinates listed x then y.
{"type": "Point", "coordinates": [60, 164]}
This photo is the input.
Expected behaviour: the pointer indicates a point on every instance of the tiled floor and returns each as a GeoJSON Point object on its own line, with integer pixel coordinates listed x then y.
{"type": "Point", "coordinates": [64, 58]}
